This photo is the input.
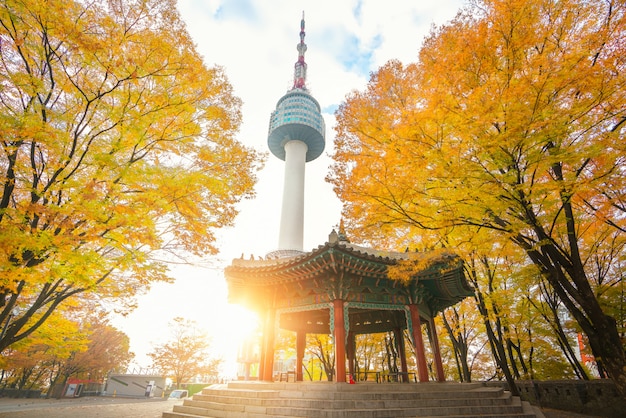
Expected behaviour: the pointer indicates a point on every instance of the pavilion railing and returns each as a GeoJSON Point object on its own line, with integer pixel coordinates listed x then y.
{"type": "Point", "coordinates": [385, 377]}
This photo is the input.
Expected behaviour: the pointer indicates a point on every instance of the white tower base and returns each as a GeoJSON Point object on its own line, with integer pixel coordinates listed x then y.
{"type": "Point", "coordinates": [292, 216]}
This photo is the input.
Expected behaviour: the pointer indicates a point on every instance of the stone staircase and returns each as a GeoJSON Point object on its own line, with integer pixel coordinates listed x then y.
{"type": "Point", "coordinates": [362, 400]}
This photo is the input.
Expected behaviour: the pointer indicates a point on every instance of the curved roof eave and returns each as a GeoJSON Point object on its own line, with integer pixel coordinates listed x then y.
{"type": "Point", "coordinates": [445, 281]}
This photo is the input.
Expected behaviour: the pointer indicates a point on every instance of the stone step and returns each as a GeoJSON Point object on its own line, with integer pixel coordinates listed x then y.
{"type": "Point", "coordinates": [211, 414]}
{"type": "Point", "coordinates": [387, 413]}
{"type": "Point", "coordinates": [344, 387]}
{"type": "Point", "coordinates": [364, 401]}
{"type": "Point", "coordinates": [528, 411]}
{"type": "Point", "coordinates": [390, 412]}
{"type": "Point", "coordinates": [483, 393]}
{"type": "Point", "coordinates": [332, 400]}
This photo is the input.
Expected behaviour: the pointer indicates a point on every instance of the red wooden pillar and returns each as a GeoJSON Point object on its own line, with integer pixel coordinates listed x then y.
{"type": "Point", "coordinates": [267, 356]}
{"type": "Point", "coordinates": [340, 342]}
{"type": "Point", "coordinates": [351, 352]}
{"type": "Point", "coordinates": [419, 343]}
{"type": "Point", "coordinates": [434, 342]}
{"type": "Point", "coordinates": [300, 346]}
{"type": "Point", "coordinates": [399, 337]}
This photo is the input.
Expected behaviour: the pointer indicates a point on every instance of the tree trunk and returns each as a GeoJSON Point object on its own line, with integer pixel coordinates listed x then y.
{"type": "Point", "coordinates": [496, 343]}
{"type": "Point", "coordinates": [563, 268]}
{"type": "Point", "coordinates": [459, 346]}
{"type": "Point", "coordinates": [572, 286]}
{"type": "Point", "coordinates": [555, 323]}
{"type": "Point", "coordinates": [497, 346]}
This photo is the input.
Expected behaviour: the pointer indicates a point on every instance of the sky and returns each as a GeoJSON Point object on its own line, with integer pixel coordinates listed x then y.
{"type": "Point", "coordinates": [254, 41]}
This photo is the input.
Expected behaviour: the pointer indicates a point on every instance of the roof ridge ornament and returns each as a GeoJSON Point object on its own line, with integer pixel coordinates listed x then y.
{"type": "Point", "coordinates": [333, 237]}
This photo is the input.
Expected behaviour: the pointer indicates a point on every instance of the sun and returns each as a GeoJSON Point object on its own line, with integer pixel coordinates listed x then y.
{"type": "Point", "coordinates": [242, 322]}
{"type": "Point", "coordinates": [234, 325]}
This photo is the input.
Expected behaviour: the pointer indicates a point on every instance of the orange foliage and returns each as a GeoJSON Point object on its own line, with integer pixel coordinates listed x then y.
{"type": "Point", "coordinates": [511, 122]}
{"type": "Point", "coordinates": [118, 143]}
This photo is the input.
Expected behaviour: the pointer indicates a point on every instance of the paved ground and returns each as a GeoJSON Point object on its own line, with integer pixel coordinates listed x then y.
{"type": "Point", "coordinates": [108, 407]}
{"type": "Point", "coordinates": [87, 407]}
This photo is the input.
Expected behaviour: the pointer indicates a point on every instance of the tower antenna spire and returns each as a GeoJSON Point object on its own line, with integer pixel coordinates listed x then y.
{"type": "Point", "coordinates": [299, 71]}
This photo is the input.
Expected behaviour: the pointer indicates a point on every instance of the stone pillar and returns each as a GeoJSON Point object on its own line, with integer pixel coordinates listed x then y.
{"type": "Point", "coordinates": [300, 347]}
{"type": "Point", "coordinates": [434, 342]}
{"type": "Point", "coordinates": [399, 337]}
{"type": "Point", "coordinates": [267, 354]}
{"type": "Point", "coordinates": [340, 342]}
{"type": "Point", "coordinates": [419, 343]}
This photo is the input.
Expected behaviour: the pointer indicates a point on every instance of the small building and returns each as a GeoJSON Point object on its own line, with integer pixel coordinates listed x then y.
{"type": "Point", "coordinates": [135, 385]}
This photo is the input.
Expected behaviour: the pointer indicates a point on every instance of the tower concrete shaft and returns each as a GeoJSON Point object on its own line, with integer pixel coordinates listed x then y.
{"type": "Point", "coordinates": [292, 215]}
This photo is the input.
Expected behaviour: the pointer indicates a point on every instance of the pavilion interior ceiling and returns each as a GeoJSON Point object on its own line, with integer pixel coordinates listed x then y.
{"type": "Point", "coordinates": [362, 321]}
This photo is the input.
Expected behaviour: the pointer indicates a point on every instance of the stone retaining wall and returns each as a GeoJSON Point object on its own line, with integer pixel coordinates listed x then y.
{"type": "Point", "coordinates": [19, 393]}
{"type": "Point", "coordinates": [593, 397]}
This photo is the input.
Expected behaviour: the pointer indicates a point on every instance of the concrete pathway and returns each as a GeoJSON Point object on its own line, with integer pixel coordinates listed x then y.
{"type": "Point", "coordinates": [87, 407]}
{"type": "Point", "coordinates": [109, 407]}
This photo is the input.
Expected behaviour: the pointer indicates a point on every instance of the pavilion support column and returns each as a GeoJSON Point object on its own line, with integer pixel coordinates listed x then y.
{"type": "Point", "coordinates": [351, 351]}
{"type": "Point", "coordinates": [300, 346]}
{"type": "Point", "coordinates": [419, 343]}
{"type": "Point", "coordinates": [399, 337]}
{"type": "Point", "coordinates": [262, 346]}
{"type": "Point", "coordinates": [267, 355]}
{"type": "Point", "coordinates": [262, 360]}
{"type": "Point", "coordinates": [434, 342]}
{"type": "Point", "coordinates": [340, 342]}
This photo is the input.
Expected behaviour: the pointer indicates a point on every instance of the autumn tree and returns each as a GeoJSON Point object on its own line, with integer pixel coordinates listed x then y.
{"type": "Point", "coordinates": [320, 346]}
{"type": "Point", "coordinates": [108, 349]}
{"type": "Point", "coordinates": [463, 328]}
{"type": "Point", "coordinates": [37, 361]}
{"type": "Point", "coordinates": [380, 352]}
{"type": "Point", "coordinates": [369, 355]}
{"type": "Point", "coordinates": [68, 344]}
{"type": "Point", "coordinates": [118, 153]}
{"type": "Point", "coordinates": [186, 355]}
{"type": "Point", "coordinates": [512, 122]}
{"type": "Point", "coordinates": [547, 304]}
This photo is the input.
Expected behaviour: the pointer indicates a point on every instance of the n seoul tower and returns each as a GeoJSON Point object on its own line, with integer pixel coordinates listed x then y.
{"type": "Point", "coordinates": [296, 136]}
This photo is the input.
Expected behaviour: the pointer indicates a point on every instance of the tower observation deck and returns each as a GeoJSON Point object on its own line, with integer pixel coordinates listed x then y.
{"type": "Point", "coordinates": [296, 135]}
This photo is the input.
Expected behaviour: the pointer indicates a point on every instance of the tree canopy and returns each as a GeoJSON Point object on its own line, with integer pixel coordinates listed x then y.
{"type": "Point", "coordinates": [509, 127]}
{"type": "Point", "coordinates": [84, 347]}
{"type": "Point", "coordinates": [186, 356]}
{"type": "Point", "coordinates": [118, 149]}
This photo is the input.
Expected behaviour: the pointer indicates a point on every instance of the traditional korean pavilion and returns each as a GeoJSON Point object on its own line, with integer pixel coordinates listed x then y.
{"type": "Point", "coordinates": [339, 288]}
{"type": "Point", "coordinates": [343, 289]}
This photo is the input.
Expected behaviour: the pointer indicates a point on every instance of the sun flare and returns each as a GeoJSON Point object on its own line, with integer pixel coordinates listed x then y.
{"type": "Point", "coordinates": [242, 323]}
{"type": "Point", "coordinates": [234, 326]}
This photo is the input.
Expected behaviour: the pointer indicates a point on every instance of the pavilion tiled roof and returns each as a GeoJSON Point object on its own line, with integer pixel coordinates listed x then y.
{"type": "Point", "coordinates": [443, 281]}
